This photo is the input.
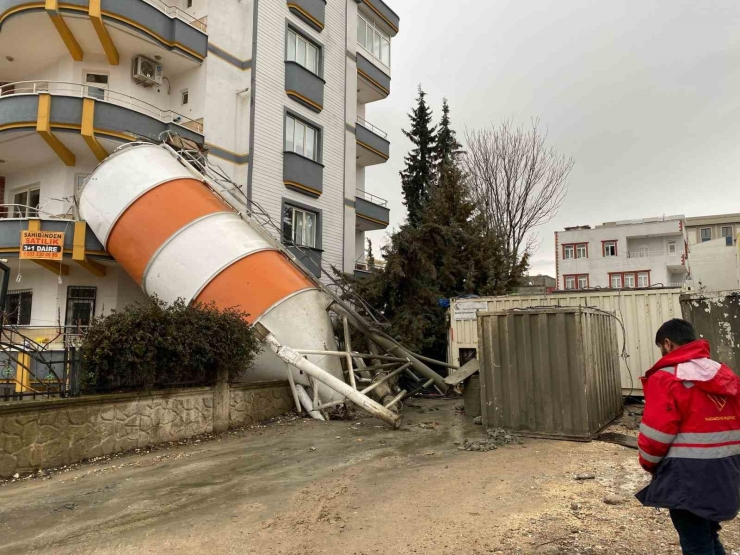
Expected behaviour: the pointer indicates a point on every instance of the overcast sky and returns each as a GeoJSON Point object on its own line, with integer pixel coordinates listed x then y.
{"type": "Point", "coordinates": [643, 94]}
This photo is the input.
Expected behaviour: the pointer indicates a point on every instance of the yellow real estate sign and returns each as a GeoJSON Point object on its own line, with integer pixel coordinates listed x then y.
{"type": "Point", "coordinates": [42, 245]}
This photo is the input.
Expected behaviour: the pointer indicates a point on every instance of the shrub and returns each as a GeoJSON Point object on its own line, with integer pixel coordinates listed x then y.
{"type": "Point", "coordinates": [156, 345]}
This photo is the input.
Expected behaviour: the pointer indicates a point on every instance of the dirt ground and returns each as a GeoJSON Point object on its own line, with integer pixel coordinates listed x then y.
{"type": "Point", "coordinates": [345, 487]}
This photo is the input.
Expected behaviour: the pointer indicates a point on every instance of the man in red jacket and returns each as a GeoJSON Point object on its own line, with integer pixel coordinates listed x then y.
{"type": "Point", "coordinates": [690, 438]}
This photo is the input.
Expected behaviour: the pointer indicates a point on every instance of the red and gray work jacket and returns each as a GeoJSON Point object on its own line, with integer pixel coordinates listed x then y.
{"type": "Point", "coordinates": [690, 434]}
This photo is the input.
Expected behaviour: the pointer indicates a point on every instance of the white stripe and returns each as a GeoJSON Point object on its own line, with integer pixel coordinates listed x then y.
{"type": "Point", "coordinates": [708, 438]}
{"type": "Point", "coordinates": [703, 452]}
{"type": "Point", "coordinates": [656, 435]}
{"type": "Point", "coordinates": [649, 458]}
{"type": "Point", "coordinates": [197, 253]}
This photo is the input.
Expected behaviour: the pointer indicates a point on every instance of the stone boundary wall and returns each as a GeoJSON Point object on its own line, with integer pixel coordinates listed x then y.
{"type": "Point", "coordinates": [54, 432]}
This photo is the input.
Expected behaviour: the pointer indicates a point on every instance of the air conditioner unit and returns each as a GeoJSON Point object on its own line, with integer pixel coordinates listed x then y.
{"type": "Point", "coordinates": [147, 72]}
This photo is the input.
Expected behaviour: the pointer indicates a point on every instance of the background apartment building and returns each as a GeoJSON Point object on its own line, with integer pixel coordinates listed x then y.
{"type": "Point", "coordinates": [713, 249]}
{"type": "Point", "coordinates": [275, 93]}
{"type": "Point", "coordinates": [626, 254]}
{"type": "Point", "coordinates": [709, 228]}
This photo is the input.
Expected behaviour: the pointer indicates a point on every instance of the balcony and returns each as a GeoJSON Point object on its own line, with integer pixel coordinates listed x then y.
{"type": "Point", "coordinates": [372, 145]}
{"type": "Point", "coordinates": [674, 262]}
{"type": "Point", "coordinates": [371, 212]}
{"type": "Point", "coordinates": [304, 87]}
{"type": "Point", "coordinates": [76, 120]}
{"type": "Point", "coordinates": [381, 11]}
{"type": "Point", "coordinates": [372, 83]}
{"type": "Point", "coordinates": [119, 29]}
{"type": "Point", "coordinates": [302, 174]}
{"type": "Point", "coordinates": [310, 11]}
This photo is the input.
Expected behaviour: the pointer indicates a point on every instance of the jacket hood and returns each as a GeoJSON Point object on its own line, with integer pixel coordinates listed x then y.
{"type": "Point", "coordinates": [692, 363]}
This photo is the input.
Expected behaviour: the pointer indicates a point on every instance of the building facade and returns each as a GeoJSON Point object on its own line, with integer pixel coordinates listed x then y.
{"type": "Point", "coordinates": [623, 255]}
{"type": "Point", "coordinates": [709, 228]}
{"type": "Point", "coordinates": [274, 93]}
{"type": "Point", "coordinates": [536, 285]}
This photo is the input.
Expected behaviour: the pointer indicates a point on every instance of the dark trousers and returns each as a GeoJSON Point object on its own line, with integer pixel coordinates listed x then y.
{"type": "Point", "coordinates": [698, 536]}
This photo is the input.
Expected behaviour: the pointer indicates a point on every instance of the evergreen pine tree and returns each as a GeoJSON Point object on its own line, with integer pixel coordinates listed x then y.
{"type": "Point", "coordinates": [447, 149]}
{"type": "Point", "coordinates": [369, 258]}
{"type": "Point", "coordinates": [419, 175]}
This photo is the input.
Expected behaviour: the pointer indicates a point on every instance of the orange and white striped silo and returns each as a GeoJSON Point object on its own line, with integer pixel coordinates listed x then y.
{"type": "Point", "coordinates": [178, 240]}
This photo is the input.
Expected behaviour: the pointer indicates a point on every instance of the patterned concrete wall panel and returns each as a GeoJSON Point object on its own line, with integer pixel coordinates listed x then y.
{"type": "Point", "coordinates": [304, 87]}
{"type": "Point", "coordinates": [254, 402]}
{"type": "Point", "coordinates": [310, 11]}
{"type": "Point", "coordinates": [302, 174]}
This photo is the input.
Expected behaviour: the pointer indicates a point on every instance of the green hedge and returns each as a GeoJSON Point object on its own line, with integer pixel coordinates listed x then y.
{"type": "Point", "coordinates": [155, 345]}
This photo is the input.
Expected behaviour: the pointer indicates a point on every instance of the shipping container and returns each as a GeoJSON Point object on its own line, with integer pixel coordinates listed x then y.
{"type": "Point", "coordinates": [716, 317]}
{"type": "Point", "coordinates": [642, 311]}
{"type": "Point", "coordinates": [549, 372]}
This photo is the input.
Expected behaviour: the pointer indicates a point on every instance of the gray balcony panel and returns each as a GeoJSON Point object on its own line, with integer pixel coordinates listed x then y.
{"type": "Point", "coordinates": [10, 234]}
{"type": "Point", "coordinates": [377, 78]}
{"type": "Point", "coordinates": [381, 10]}
{"type": "Point", "coordinates": [66, 109]}
{"type": "Point", "coordinates": [304, 87]}
{"type": "Point", "coordinates": [310, 258]}
{"type": "Point", "coordinates": [375, 142]}
{"type": "Point", "coordinates": [361, 274]}
{"type": "Point", "coordinates": [377, 214]}
{"type": "Point", "coordinates": [171, 29]}
{"type": "Point", "coordinates": [117, 118]}
{"type": "Point", "coordinates": [19, 109]}
{"type": "Point", "coordinates": [310, 11]}
{"type": "Point", "coordinates": [303, 175]}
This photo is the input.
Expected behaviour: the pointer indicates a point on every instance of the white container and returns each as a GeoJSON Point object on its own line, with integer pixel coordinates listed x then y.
{"type": "Point", "coordinates": [641, 311]}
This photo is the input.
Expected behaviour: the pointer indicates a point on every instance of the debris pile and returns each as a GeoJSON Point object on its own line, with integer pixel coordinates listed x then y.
{"type": "Point", "coordinates": [496, 438]}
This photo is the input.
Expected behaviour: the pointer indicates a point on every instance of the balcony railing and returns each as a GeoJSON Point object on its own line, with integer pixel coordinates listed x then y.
{"type": "Point", "coordinates": [372, 198]}
{"type": "Point", "coordinates": [81, 90]}
{"type": "Point", "coordinates": [367, 125]}
{"type": "Point", "coordinates": [649, 254]}
{"type": "Point", "coordinates": [174, 11]}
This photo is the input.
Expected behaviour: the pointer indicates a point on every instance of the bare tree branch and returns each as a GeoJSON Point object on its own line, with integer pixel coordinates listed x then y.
{"type": "Point", "coordinates": [516, 181]}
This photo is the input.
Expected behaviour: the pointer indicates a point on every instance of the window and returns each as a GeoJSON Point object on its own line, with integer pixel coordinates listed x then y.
{"type": "Point", "coordinates": [616, 281]}
{"type": "Point", "coordinates": [727, 231]}
{"type": "Point", "coordinates": [706, 234]}
{"type": "Point", "coordinates": [629, 280]}
{"type": "Point", "coordinates": [26, 203]}
{"type": "Point", "coordinates": [96, 85]}
{"type": "Point", "coordinates": [80, 305]}
{"type": "Point", "coordinates": [576, 281]}
{"type": "Point", "coordinates": [184, 97]}
{"type": "Point", "coordinates": [671, 247]}
{"type": "Point", "coordinates": [575, 250]}
{"type": "Point", "coordinates": [303, 52]}
{"type": "Point", "coordinates": [610, 248]}
{"type": "Point", "coordinates": [375, 41]}
{"type": "Point", "coordinates": [643, 279]}
{"type": "Point", "coordinates": [582, 251]}
{"type": "Point", "coordinates": [301, 138]}
{"type": "Point", "coordinates": [568, 252]}
{"type": "Point", "coordinates": [299, 226]}
{"type": "Point", "coordinates": [189, 3]}
{"type": "Point", "coordinates": [18, 307]}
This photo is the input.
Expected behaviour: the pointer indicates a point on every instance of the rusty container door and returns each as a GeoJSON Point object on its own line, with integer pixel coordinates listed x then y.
{"type": "Point", "coordinates": [549, 372]}
{"type": "Point", "coordinates": [716, 317]}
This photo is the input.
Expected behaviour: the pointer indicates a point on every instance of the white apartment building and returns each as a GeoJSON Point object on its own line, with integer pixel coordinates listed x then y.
{"type": "Point", "coordinates": [621, 255]}
{"type": "Point", "coordinates": [274, 92]}
{"type": "Point", "coordinates": [709, 228]}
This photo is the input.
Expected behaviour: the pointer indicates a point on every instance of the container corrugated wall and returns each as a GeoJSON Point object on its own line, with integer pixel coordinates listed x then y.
{"type": "Point", "coordinates": [716, 317]}
{"type": "Point", "coordinates": [550, 372]}
{"type": "Point", "coordinates": [641, 311]}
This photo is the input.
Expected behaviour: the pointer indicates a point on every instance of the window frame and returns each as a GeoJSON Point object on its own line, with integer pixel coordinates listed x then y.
{"type": "Point", "coordinates": [370, 23]}
{"type": "Point", "coordinates": [641, 274]}
{"type": "Point", "coordinates": [575, 248]}
{"type": "Point", "coordinates": [701, 234]}
{"type": "Point", "coordinates": [20, 293]}
{"type": "Point", "coordinates": [571, 249]}
{"type": "Point", "coordinates": [609, 243]}
{"type": "Point", "coordinates": [616, 276]}
{"type": "Point", "coordinates": [576, 279]}
{"type": "Point", "coordinates": [28, 212]}
{"type": "Point", "coordinates": [318, 136]}
{"type": "Point", "coordinates": [184, 97]}
{"type": "Point", "coordinates": [722, 231]}
{"type": "Point", "coordinates": [70, 299]}
{"type": "Point", "coordinates": [305, 209]}
{"type": "Point", "coordinates": [675, 248]}
{"type": "Point", "coordinates": [319, 71]}
{"type": "Point", "coordinates": [103, 87]}
{"type": "Point", "coordinates": [632, 275]}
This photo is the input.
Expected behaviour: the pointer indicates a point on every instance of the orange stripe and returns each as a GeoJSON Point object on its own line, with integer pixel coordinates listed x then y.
{"type": "Point", "coordinates": [154, 217]}
{"type": "Point", "coordinates": [254, 283]}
